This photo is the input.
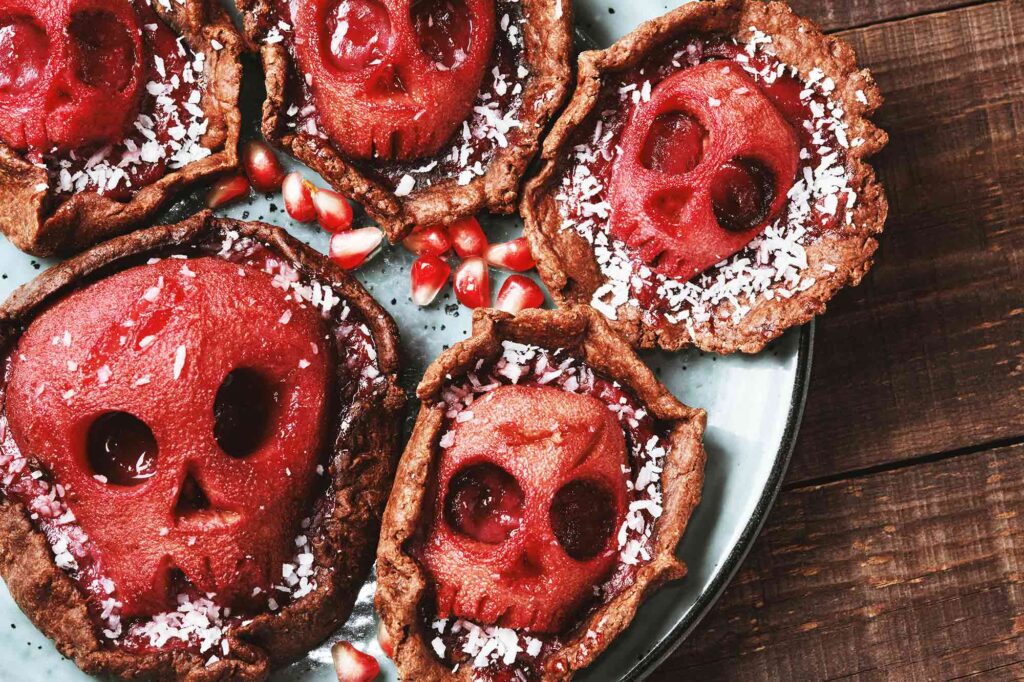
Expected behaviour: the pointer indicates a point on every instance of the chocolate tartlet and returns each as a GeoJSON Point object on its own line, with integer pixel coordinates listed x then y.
{"type": "Point", "coordinates": [424, 112]}
{"type": "Point", "coordinates": [108, 109]}
{"type": "Point", "coordinates": [707, 184]}
{"type": "Point", "coordinates": [540, 499]}
{"type": "Point", "coordinates": [198, 430]}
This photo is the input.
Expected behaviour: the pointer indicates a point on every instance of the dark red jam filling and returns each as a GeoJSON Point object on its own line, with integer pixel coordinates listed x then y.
{"type": "Point", "coordinates": [160, 130]}
{"type": "Point", "coordinates": [491, 126]}
{"type": "Point", "coordinates": [121, 450]}
{"type": "Point", "coordinates": [486, 503]}
{"type": "Point", "coordinates": [742, 191]}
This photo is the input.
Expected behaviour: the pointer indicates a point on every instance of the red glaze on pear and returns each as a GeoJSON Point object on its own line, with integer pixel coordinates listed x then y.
{"type": "Point", "coordinates": [706, 165]}
{"type": "Point", "coordinates": [393, 79]}
{"type": "Point", "coordinates": [183, 407]}
{"type": "Point", "coordinates": [531, 495]}
{"type": "Point", "coordinates": [71, 72]}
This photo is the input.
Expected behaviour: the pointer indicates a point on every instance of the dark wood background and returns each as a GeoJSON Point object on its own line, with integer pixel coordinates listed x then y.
{"type": "Point", "coordinates": [896, 549]}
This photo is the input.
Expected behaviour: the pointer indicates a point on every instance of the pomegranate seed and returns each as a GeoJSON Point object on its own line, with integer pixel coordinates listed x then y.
{"type": "Point", "coordinates": [473, 283]}
{"type": "Point", "coordinates": [428, 241]}
{"type": "Point", "coordinates": [352, 248]}
{"type": "Point", "coordinates": [352, 665]}
{"type": "Point", "coordinates": [261, 165]}
{"type": "Point", "coordinates": [468, 238]}
{"type": "Point", "coordinates": [429, 275]}
{"type": "Point", "coordinates": [298, 198]}
{"type": "Point", "coordinates": [514, 255]}
{"type": "Point", "coordinates": [519, 293]}
{"type": "Point", "coordinates": [333, 211]}
{"type": "Point", "coordinates": [226, 190]}
{"type": "Point", "coordinates": [384, 640]}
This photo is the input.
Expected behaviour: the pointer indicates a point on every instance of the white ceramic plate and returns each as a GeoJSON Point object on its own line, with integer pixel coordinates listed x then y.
{"type": "Point", "coordinates": [754, 406]}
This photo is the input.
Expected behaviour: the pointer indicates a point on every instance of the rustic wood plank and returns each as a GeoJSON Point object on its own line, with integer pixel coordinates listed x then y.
{"type": "Point", "coordinates": [844, 14]}
{"type": "Point", "coordinates": [911, 574]}
{"type": "Point", "coordinates": [927, 356]}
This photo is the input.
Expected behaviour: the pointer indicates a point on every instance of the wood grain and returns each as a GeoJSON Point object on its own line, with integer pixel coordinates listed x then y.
{"type": "Point", "coordinates": [913, 574]}
{"type": "Point", "coordinates": [844, 14]}
{"type": "Point", "coordinates": [927, 355]}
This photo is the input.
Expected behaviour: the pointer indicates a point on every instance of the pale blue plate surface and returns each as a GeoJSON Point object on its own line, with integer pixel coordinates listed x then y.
{"type": "Point", "coordinates": [754, 406]}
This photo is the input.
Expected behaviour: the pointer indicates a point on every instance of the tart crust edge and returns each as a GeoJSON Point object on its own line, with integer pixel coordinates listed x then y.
{"type": "Point", "coordinates": [403, 583]}
{"type": "Point", "coordinates": [87, 218]}
{"type": "Point", "coordinates": [362, 466]}
{"type": "Point", "coordinates": [548, 36]}
{"type": "Point", "coordinates": [566, 262]}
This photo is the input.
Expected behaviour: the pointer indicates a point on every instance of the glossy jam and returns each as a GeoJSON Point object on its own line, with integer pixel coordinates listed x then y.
{"type": "Point", "coordinates": [121, 448]}
{"type": "Point", "coordinates": [484, 502]}
{"type": "Point", "coordinates": [582, 516]}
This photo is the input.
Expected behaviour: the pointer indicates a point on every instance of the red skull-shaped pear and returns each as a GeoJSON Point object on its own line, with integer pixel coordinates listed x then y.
{"type": "Point", "coordinates": [706, 165]}
{"type": "Point", "coordinates": [182, 406]}
{"type": "Point", "coordinates": [393, 79]}
{"type": "Point", "coordinates": [71, 72]}
{"type": "Point", "coordinates": [530, 496]}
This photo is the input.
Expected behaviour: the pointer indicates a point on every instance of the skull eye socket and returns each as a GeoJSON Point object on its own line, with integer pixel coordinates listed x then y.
{"type": "Point", "coordinates": [674, 144]}
{"type": "Point", "coordinates": [121, 448]}
{"type": "Point", "coordinates": [242, 411]}
{"type": "Point", "coordinates": [484, 502]}
{"type": "Point", "coordinates": [102, 50]}
{"type": "Point", "coordinates": [358, 33]}
{"type": "Point", "coordinates": [444, 29]}
{"type": "Point", "coordinates": [742, 191]}
{"type": "Point", "coordinates": [24, 50]}
{"type": "Point", "coordinates": [582, 518]}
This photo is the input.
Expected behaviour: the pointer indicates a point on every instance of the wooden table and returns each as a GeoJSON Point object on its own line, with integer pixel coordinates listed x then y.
{"type": "Point", "coordinates": [896, 549]}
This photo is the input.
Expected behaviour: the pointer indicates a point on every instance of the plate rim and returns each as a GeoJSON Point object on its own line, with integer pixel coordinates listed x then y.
{"type": "Point", "coordinates": [653, 659]}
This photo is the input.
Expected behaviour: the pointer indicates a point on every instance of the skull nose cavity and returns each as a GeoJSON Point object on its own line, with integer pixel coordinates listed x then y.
{"type": "Point", "coordinates": [24, 49]}
{"type": "Point", "coordinates": [193, 507]}
{"type": "Point", "coordinates": [484, 502]}
{"type": "Point", "coordinates": [444, 29]}
{"type": "Point", "coordinates": [670, 205]}
{"type": "Point", "coordinates": [582, 518]}
{"type": "Point", "coordinates": [242, 412]}
{"type": "Point", "coordinates": [674, 143]}
{"type": "Point", "coordinates": [102, 50]}
{"type": "Point", "coordinates": [358, 33]}
{"type": "Point", "coordinates": [742, 192]}
{"type": "Point", "coordinates": [121, 448]}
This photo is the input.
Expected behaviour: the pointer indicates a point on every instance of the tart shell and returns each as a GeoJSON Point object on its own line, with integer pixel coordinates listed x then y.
{"type": "Point", "coordinates": [548, 51]}
{"type": "Point", "coordinates": [403, 584]}
{"type": "Point", "coordinates": [361, 471]}
{"type": "Point", "coordinates": [87, 218]}
{"type": "Point", "coordinates": [566, 261]}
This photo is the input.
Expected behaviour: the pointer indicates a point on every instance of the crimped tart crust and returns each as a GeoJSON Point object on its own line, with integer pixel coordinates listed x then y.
{"type": "Point", "coordinates": [426, 191]}
{"type": "Point", "coordinates": [405, 588]}
{"type": "Point", "coordinates": [341, 537]}
{"type": "Point", "coordinates": [46, 212]}
{"type": "Point", "coordinates": [784, 277]}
